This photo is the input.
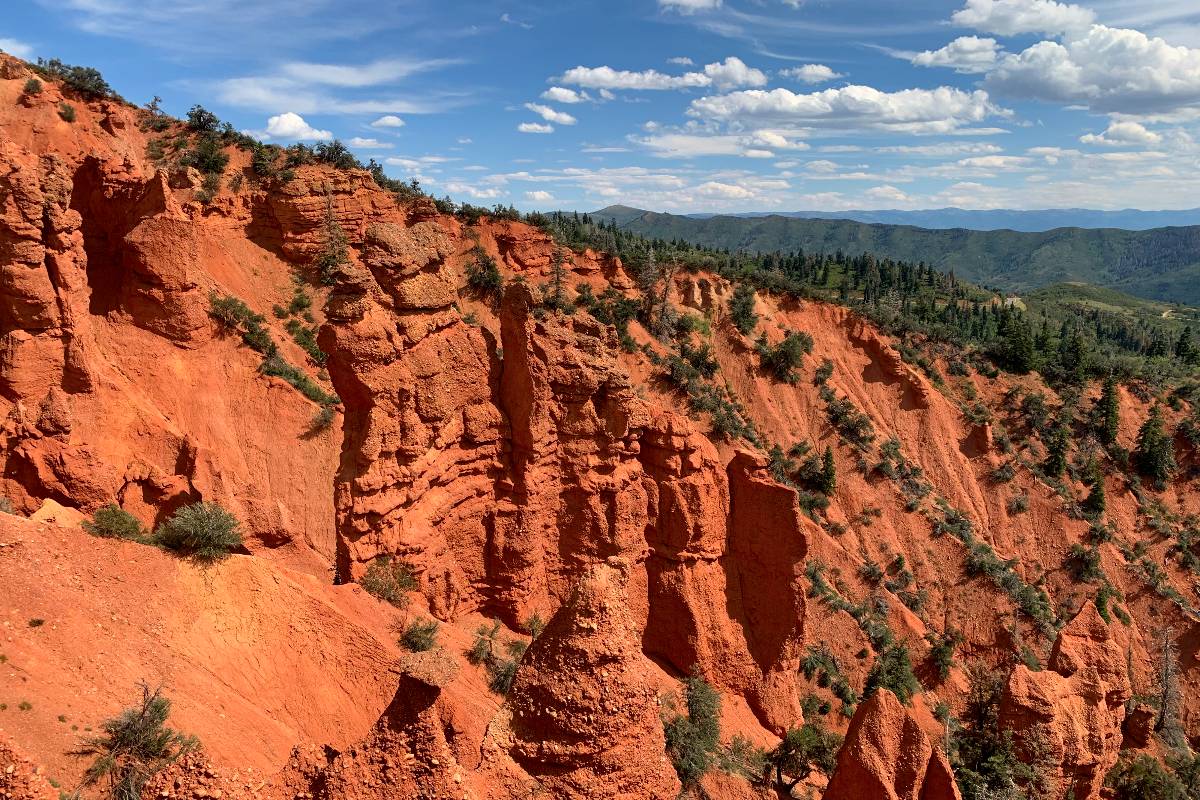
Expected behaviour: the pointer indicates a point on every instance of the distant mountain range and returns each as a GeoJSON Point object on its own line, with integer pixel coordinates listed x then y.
{"type": "Point", "coordinates": [1160, 263]}
{"type": "Point", "coordinates": [1130, 219]}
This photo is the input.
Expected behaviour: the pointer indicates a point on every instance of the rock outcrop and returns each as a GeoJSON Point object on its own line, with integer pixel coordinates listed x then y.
{"type": "Point", "coordinates": [1072, 712]}
{"type": "Point", "coordinates": [887, 756]}
{"type": "Point", "coordinates": [585, 714]}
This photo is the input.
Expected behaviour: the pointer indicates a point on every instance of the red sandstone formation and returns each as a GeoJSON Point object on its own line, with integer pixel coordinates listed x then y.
{"type": "Point", "coordinates": [886, 755]}
{"type": "Point", "coordinates": [519, 460]}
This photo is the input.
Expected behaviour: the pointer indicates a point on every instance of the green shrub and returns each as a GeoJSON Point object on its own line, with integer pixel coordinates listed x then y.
{"type": "Point", "coordinates": [86, 81]}
{"type": "Point", "coordinates": [33, 87]}
{"type": "Point", "coordinates": [134, 747]}
{"type": "Point", "coordinates": [483, 276]}
{"type": "Point", "coordinates": [1143, 778]}
{"type": "Point", "coordinates": [741, 308]}
{"type": "Point", "coordinates": [207, 155]}
{"type": "Point", "coordinates": [1018, 504]}
{"type": "Point", "coordinates": [782, 359]}
{"type": "Point", "coordinates": [114, 522]}
{"type": "Point", "coordinates": [389, 580]}
{"type": "Point", "coordinates": [503, 671]}
{"type": "Point", "coordinates": [276, 365]}
{"type": "Point", "coordinates": [941, 651]}
{"type": "Point", "coordinates": [823, 372]}
{"type": "Point", "coordinates": [692, 740]}
{"type": "Point", "coordinates": [984, 757]}
{"type": "Point", "coordinates": [1084, 563]}
{"type": "Point", "coordinates": [201, 120]}
{"type": "Point", "coordinates": [203, 531]}
{"type": "Point", "coordinates": [420, 635]}
{"type": "Point", "coordinates": [892, 670]}
{"type": "Point", "coordinates": [322, 420]}
{"type": "Point", "coordinates": [66, 111]}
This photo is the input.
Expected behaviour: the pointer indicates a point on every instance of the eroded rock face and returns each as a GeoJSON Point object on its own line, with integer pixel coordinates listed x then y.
{"type": "Point", "coordinates": [1073, 711]}
{"type": "Point", "coordinates": [887, 756]}
{"type": "Point", "coordinates": [585, 715]}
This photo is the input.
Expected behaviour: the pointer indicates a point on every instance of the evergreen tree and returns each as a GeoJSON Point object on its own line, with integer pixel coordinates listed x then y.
{"type": "Point", "coordinates": [741, 308]}
{"type": "Point", "coordinates": [1108, 411]}
{"type": "Point", "coordinates": [1016, 347]}
{"type": "Point", "coordinates": [1155, 453]}
{"type": "Point", "coordinates": [1096, 501]}
{"type": "Point", "coordinates": [1056, 451]}
{"type": "Point", "coordinates": [828, 480]}
{"type": "Point", "coordinates": [1185, 349]}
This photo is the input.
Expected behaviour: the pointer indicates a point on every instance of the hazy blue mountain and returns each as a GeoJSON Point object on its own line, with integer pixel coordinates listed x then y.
{"type": "Point", "coordinates": [1031, 221]}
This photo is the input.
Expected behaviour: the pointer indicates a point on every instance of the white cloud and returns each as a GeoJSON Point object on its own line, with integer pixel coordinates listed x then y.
{"type": "Point", "coordinates": [689, 6]}
{"type": "Point", "coordinates": [558, 94]}
{"type": "Point", "coordinates": [1014, 17]}
{"type": "Point", "coordinates": [608, 78]}
{"type": "Point", "coordinates": [966, 54]}
{"type": "Point", "coordinates": [388, 121]}
{"type": "Point", "coordinates": [1113, 70]}
{"type": "Point", "coordinates": [353, 76]}
{"type": "Point", "coordinates": [727, 191]}
{"type": "Point", "coordinates": [886, 193]}
{"type": "Point", "coordinates": [759, 144]}
{"type": "Point", "coordinates": [460, 188]}
{"type": "Point", "coordinates": [540, 196]}
{"type": "Point", "coordinates": [16, 48]}
{"type": "Point", "coordinates": [368, 144]}
{"type": "Point", "coordinates": [941, 110]}
{"type": "Point", "coordinates": [1123, 133]}
{"type": "Point", "coordinates": [292, 126]}
{"type": "Point", "coordinates": [535, 127]}
{"type": "Point", "coordinates": [682, 61]}
{"type": "Point", "coordinates": [812, 73]}
{"type": "Point", "coordinates": [551, 115]}
{"type": "Point", "coordinates": [733, 73]}
{"type": "Point", "coordinates": [727, 74]}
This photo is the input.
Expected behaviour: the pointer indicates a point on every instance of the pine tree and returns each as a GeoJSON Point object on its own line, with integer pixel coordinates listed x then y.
{"type": "Point", "coordinates": [1097, 499]}
{"type": "Point", "coordinates": [828, 479]}
{"type": "Point", "coordinates": [1185, 349]}
{"type": "Point", "coordinates": [1108, 411]}
{"type": "Point", "coordinates": [1056, 451]}
{"type": "Point", "coordinates": [1155, 453]}
{"type": "Point", "coordinates": [741, 308]}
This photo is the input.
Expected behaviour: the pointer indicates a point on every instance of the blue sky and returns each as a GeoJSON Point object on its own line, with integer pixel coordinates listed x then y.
{"type": "Point", "coordinates": [685, 105]}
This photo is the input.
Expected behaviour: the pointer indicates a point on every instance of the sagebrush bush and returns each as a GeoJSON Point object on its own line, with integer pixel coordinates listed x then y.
{"type": "Point", "coordinates": [32, 87]}
{"type": "Point", "coordinates": [114, 522]}
{"type": "Point", "coordinates": [692, 740]}
{"type": "Point", "coordinates": [202, 531]}
{"type": "Point", "coordinates": [66, 111]}
{"type": "Point", "coordinates": [135, 746]}
{"type": "Point", "coordinates": [389, 580]}
{"type": "Point", "coordinates": [420, 635]}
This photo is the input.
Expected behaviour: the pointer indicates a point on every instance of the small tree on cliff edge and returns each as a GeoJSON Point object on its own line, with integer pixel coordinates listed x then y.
{"type": "Point", "coordinates": [741, 308]}
{"type": "Point", "coordinates": [1155, 453]}
{"type": "Point", "coordinates": [828, 479]}
{"type": "Point", "coordinates": [803, 751]}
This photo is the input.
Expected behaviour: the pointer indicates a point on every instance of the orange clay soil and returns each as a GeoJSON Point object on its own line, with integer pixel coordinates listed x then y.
{"type": "Point", "coordinates": [522, 463]}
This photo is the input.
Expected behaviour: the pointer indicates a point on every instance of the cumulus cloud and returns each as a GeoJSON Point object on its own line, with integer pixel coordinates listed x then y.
{"type": "Point", "coordinates": [559, 94]}
{"type": "Point", "coordinates": [535, 127]}
{"type": "Point", "coordinates": [728, 74]}
{"type": "Point", "coordinates": [966, 54]}
{"type": "Point", "coordinates": [732, 73]}
{"type": "Point", "coordinates": [291, 126]}
{"type": "Point", "coordinates": [388, 121]}
{"type": "Point", "coordinates": [941, 110]}
{"type": "Point", "coordinates": [1114, 70]}
{"type": "Point", "coordinates": [368, 144]}
{"type": "Point", "coordinates": [886, 193]}
{"type": "Point", "coordinates": [1121, 133]}
{"type": "Point", "coordinates": [812, 73]}
{"type": "Point", "coordinates": [727, 191]}
{"type": "Point", "coordinates": [16, 48]}
{"type": "Point", "coordinates": [539, 196]}
{"type": "Point", "coordinates": [1014, 17]}
{"type": "Point", "coordinates": [550, 114]}
{"type": "Point", "coordinates": [689, 6]}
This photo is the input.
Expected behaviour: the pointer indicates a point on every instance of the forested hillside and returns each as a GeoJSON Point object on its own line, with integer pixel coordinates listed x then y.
{"type": "Point", "coordinates": [1162, 264]}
